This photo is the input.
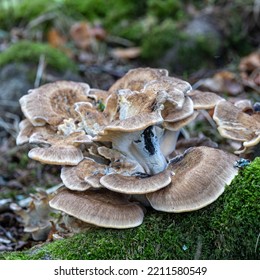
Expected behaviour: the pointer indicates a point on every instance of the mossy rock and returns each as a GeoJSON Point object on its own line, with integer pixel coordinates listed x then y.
{"type": "Point", "coordinates": [30, 52]}
{"type": "Point", "coordinates": [227, 229]}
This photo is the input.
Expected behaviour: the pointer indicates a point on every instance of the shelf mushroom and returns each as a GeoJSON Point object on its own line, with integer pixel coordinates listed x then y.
{"type": "Point", "coordinates": [53, 102]}
{"type": "Point", "coordinates": [235, 124]}
{"type": "Point", "coordinates": [101, 207]}
{"type": "Point", "coordinates": [114, 147]}
{"type": "Point", "coordinates": [84, 176]}
{"type": "Point", "coordinates": [199, 178]}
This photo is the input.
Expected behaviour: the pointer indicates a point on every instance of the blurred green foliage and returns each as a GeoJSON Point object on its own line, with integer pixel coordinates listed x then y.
{"type": "Point", "coordinates": [156, 26]}
{"type": "Point", "coordinates": [30, 52]}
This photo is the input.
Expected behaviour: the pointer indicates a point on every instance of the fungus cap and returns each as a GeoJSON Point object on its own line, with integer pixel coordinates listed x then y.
{"type": "Point", "coordinates": [53, 102]}
{"type": "Point", "coordinates": [204, 100]}
{"type": "Point", "coordinates": [174, 114]}
{"type": "Point", "coordinates": [175, 126]}
{"type": "Point", "coordinates": [136, 184]}
{"type": "Point", "coordinates": [74, 177]}
{"type": "Point", "coordinates": [60, 150]}
{"type": "Point", "coordinates": [170, 89]}
{"type": "Point", "coordinates": [99, 207]}
{"type": "Point", "coordinates": [199, 178]}
{"type": "Point", "coordinates": [60, 155]}
{"type": "Point", "coordinates": [136, 79]}
{"type": "Point", "coordinates": [234, 124]}
{"type": "Point", "coordinates": [25, 131]}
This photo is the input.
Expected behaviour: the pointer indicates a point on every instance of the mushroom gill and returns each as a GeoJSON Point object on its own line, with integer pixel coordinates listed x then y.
{"type": "Point", "coordinates": [114, 147]}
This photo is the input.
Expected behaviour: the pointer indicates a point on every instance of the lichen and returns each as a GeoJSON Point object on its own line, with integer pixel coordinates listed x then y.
{"type": "Point", "coordinates": [26, 51]}
{"type": "Point", "coordinates": [227, 229]}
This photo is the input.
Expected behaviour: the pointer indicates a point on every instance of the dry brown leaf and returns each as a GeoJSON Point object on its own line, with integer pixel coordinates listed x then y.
{"type": "Point", "coordinates": [250, 70]}
{"type": "Point", "coordinates": [250, 63]}
{"type": "Point", "coordinates": [55, 39]}
{"type": "Point", "coordinates": [224, 81]}
{"type": "Point", "coordinates": [98, 32]}
{"type": "Point", "coordinates": [129, 53]}
{"type": "Point", "coordinates": [81, 34]}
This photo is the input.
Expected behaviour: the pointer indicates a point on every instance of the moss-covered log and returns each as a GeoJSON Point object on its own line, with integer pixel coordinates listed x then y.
{"type": "Point", "coordinates": [227, 229]}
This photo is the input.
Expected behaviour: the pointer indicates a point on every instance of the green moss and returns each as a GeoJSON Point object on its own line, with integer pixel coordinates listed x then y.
{"type": "Point", "coordinates": [159, 39]}
{"type": "Point", "coordinates": [239, 219]}
{"type": "Point", "coordinates": [166, 8]}
{"type": "Point", "coordinates": [22, 11]}
{"type": "Point", "coordinates": [178, 50]}
{"type": "Point", "coordinates": [30, 52]}
{"type": "Point", "coordinates": [227, 229]}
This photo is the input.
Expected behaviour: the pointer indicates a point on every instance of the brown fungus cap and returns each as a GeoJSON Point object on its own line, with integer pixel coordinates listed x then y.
{"type": "Point", "coordinates": [199, 178]}
{"type": "Point", "coordinates": [61, 150]}
{"type": "Point", "coordinates": [27, 132]}
{"type": "Point", "coordinates": [136, 184]}
{"type": "Point", "coordinates": [53, 102]}
{"type": "Point", "coordinates": [204, 100]}
{"type": "Point", "coordinates": [245, 106]}
{"type": "Point", "coordinates": [174, 114]}
{"type": "Point", "coordinates": [92, 120]}
{"type": "Point", "coordinates": [175, 126]}
{"type": "Point", "coordinates": [84, 176]}
{"type": "Point", "coordinates": [170, 88]}
{"type": "Point", "coordinates": [135, 123]}
{"type": "Point", "coordinates": [234, 124]}
{"type": "Point", "coordinates": [136, 79]}
{"type": "Point", "coordinates": [136, 111]}
{"type": "Point", "coordinates": [101, 207]}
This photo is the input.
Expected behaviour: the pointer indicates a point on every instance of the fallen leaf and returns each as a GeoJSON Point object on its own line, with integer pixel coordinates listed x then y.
{"type": "Point", "coordinates": [250, 63]}
{"type": "Point", "coordinates": [250, 70]}
{"type": "Point", "coordinates": [55, 39]}
{"type": "Point", "coordinates": [128, 53]}
{"type": "Point", "coordinates": [81, 34]}
{"type": "Point", "coordinates": [224, 82]}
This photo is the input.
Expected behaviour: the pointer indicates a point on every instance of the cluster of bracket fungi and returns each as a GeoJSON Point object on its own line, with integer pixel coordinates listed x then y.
{"type": "Point", "coordinates": [117, 147]}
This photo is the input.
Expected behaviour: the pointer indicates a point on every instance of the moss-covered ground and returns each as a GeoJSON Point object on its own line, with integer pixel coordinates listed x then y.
{"type": "Point", "coordinates": [30, 52]}
{"type": "Point", "coordinates": [156, 26]}
{"type": "Point", "coordinates": [227, 229]}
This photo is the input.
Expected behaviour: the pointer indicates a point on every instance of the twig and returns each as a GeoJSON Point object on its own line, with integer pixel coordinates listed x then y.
{"type": "Point", "coordinates": [257, 241]}
{"type": "Point", "coordinates": [4, 204]}
{"type": "Point", "coordinates": [256, 10]}
{"type": "Point", "coordinates": [40, 19]}
{"type": "Point", "coordinates": [119, 40]}
{"type": "Point", "coordinates": [40, 70]}
{"type": "Point", "coordinates": [11, 128]}
{"type": "Point", "coordinates": [198, 249]}
{"type": "Point", "coordinates": [8, 127]}
{"type": "Point", "coordinates": [185, 133]}
{"type": "Point", "coordinates": [7, 233]}
{"type": "Point", "coordinates": [208, 118]}
{"type": "Point", "coordinates": [198, 84]}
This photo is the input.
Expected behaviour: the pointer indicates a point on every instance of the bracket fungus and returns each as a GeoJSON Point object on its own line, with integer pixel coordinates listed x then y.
{"type": "Point", "coordinates": [115, 158]}
{"type": "Point", "coordinates": [235, 123]}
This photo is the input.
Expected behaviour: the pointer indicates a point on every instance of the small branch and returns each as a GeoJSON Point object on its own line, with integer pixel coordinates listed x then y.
{"type": "Point", "coordinates": [257, 241]}
{"type": "Point", "coordinates": [119, 40]}
{"type": "Point", "coordinates": [208, 118]}
{"type": "Point", "coordinates": [40, 70]}
{"type": "Point", "coordinates": [185, 133]}
{"type": "Point", "coordinates": [198, 249]}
